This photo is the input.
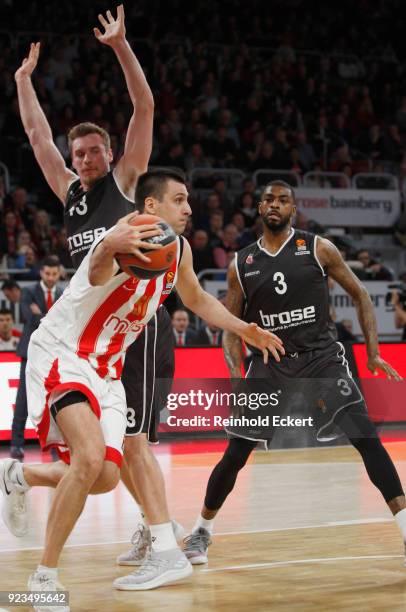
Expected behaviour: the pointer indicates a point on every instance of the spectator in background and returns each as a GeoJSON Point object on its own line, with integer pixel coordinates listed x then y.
{"type": "Point", "coordinates": [43, 235]}
{"type": "Point", "coordinates": [27, 259]}
{"type": "Point", "coordinates": [224, 252]}
{"type": "Point", "coordinates": [263, 158]}
{"type": "Point", "coordinates": [223, 149]}
{"type": "Point", "coordinates": [19, 204]}
{"type": "Point", "coordinates": [400, 314]}
{"type": "Point", "coordinates": [12, 291]}
{"type": "Point", "coordinates": [209, 335]}
{"type": "Point", "coordinates": [307, 156]}
{"type": "Point", "coordinates": [215, 227]}
{"type": "Point", "coordinates": [36, 300]}
{"type": "Point", "coordinates": [8, 233]}
{"type": "Point", "coordinates": [9, 336]}
{"type": "Point", "coordinates": [60, 248]}
{"type": "Point", "coordinates": [202, 252]}
{"type": "Point", "coordinates": [184, 336]}
{"type": "Point", "coordinates": [373, 269]}
{"type": "Point", "coordinates": [248, 207]}
{"type": "Point", "coordinates": [196, 158]}
{"type": "Point", "coordinates": [238, 220]}
{"type": "Point", "coordinates": [220, 189]}
{"type": "Point", "coordinates": [345, 331]}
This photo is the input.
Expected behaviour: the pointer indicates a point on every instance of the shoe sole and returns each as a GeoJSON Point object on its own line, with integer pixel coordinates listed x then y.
{"type": "Point", "coordinates": [127, 563]}
{"type": "Point", "coordinates": [169, 577]}
{"type": "Point", "coordinates": [200, 560]}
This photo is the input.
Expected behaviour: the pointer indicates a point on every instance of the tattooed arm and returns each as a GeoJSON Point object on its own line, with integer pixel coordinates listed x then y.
{"type": "Point", "coordinates": [232, 344]}
{"type": "Point", "coordinates": [335, 266]}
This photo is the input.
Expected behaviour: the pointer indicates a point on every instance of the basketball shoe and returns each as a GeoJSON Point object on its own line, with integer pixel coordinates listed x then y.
{"type": "Point", "coordinates": [15, 507]}
{"type": "Point", "coordinates": [141, 541]}
{"type": "Point", "coordinates": [159, 568]}
{"type": "Point", "coordinates": [196, 546]}
{"type": "Point", "coordinates": [41, 582]}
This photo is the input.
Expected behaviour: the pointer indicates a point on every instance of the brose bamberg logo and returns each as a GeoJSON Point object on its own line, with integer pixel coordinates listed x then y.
{"type": "Point", "coordinates": [288, 318]}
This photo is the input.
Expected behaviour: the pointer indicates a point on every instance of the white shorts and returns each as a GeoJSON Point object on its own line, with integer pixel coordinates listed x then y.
{"type": "Point", "coordinates": [52, 371]}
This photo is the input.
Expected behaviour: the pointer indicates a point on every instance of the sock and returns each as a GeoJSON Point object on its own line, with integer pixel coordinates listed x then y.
{"type": "Point", "coordinates": [50, 571]}
{"type": "Point", "coordinates": [162, 537]}
{"type": "Point", "coordinates": [206, 524]}
{"type": "Point", "coordinates": [16, 475]}
{"type": "Point", "coordinates": [143, 517]}
{"type": "Point", "coordinates": [400, 518]}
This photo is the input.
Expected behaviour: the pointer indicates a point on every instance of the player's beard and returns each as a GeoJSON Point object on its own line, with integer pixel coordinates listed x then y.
{"type": "Point", "coordinates": [276, 226]}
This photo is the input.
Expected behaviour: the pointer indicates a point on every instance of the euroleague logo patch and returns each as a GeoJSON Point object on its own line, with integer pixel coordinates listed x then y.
{"type": "Point", "coordinates": [301, 247]}
{"type": "Point", "coordinates": [170, 277]}
{"type": "Point", "coordinates": [249, 259]}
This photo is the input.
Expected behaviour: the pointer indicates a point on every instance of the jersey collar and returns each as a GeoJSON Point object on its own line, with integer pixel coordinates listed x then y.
{"type": "Point", "coordinates": [292, 231]}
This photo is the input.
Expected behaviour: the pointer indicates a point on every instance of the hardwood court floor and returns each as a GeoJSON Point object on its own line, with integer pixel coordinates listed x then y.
{"type": "Point", "coordinates": [303, 530]}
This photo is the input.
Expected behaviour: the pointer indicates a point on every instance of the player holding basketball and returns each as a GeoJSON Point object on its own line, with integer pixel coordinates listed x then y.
{"type": "Point", "coordinates": [76, 399]}
{"type": "Point", "coordinates": [286, 272]}
{"type": "Point", "coordinates": [94, 198]}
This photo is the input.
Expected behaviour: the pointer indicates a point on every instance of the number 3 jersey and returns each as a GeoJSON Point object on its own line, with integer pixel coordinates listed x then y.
{"type": "Point", "coordinates": [88, 214]}
{"type": "Point", "coordinates": [287, 292]}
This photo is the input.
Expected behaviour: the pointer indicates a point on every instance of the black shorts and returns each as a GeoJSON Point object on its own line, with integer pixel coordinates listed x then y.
{"type": "Point", "coordinates": [316, 384]}
{"type": "Point", "coordinates": [149, 358]}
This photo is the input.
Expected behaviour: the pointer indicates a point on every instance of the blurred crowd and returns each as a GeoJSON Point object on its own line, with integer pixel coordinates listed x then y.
{"type": "Point", "coordinates": [293, 85]}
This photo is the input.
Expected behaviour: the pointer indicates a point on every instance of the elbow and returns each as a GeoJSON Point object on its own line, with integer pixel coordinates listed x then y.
{"type": "Point", "coordinates": [146, 103]}
{"type": "Point", "coordinates": [34, 136]}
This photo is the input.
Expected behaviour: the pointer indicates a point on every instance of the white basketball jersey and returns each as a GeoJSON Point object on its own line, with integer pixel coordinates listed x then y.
{"type": "Point", "coordinates": [99, 323]}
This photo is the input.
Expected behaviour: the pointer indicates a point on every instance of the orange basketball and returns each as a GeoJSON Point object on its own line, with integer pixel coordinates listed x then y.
{"type": "Point", "coordinates": [161, 259]}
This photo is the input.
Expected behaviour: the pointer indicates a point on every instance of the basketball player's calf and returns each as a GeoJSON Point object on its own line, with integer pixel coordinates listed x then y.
{"type": "Point", "coordinates": [220, 485]}
{"type": "Point", "coordinates": [143, 477]}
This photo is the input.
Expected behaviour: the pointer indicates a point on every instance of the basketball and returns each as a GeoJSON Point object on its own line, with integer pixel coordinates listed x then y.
{"type": "Point", "coordinates": [161, 259]}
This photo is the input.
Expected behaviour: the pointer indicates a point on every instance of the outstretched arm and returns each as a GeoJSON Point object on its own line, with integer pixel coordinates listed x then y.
{"type": "Point", "coordinates": [211, 310]}
{"type": "Point", "coordinates": [138, 144]}
{"type": "Point", "coordinates": [38, 130]}
{"type": "Point", "coordinates": [336, 267]}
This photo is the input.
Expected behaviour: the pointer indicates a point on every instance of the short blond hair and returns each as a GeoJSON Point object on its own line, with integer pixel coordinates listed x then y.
{"type": "Point", "coordinates": [83, 129]}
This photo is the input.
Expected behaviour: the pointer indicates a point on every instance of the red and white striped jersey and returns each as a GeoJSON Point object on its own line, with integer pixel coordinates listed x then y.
{"type": "Point", "coordinates": [99, 323]}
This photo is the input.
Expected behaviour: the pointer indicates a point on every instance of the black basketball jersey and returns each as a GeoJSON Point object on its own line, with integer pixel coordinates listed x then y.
{"type": "Point", "coordinates": [287, 292]}
{"type": "Point", "coordinates": [89, 213]}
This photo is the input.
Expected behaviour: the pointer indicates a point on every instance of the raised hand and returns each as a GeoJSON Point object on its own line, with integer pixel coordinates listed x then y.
{"type": "Point", "coordinates": [114, 29]}
{"type": "Point", "coordinates": [378, 363]}
{"type": "Point", "coordinates": [29, 63]}
{"type": "Point", "coordinates": [264, 340]}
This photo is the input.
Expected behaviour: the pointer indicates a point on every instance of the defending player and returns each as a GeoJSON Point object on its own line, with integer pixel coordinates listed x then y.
{"type": "Point", "coordinates": [94, 198]}
{"type": "Point", "coordinates": [286, 272]}
{"type": "Point", "coordinates": [75, 394]}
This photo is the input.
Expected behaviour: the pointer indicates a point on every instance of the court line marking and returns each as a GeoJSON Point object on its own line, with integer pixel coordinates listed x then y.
{"type": "Point", "coordinates": [222, 533]}
{"type": "Point", "coordinates": [298, 562]}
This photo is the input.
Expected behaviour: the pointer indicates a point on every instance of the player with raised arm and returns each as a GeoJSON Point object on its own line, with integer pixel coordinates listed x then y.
{"type": "Point", "coordinates": [280, 282]}
{"type": "Point", "coordinates": [94, 198]}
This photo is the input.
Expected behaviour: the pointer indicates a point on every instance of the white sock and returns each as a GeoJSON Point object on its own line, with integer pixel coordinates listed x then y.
{"type": "Point", "coordinates": [16, 475]}
{"type": "Point", "coordinates": [51, 571]}
{"type": "Point", "coordinates": [162, 537]}
{"type": "Point", "coordinates": [400, 518]}
{"type": "Point", "coordinates": [206, 524]}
